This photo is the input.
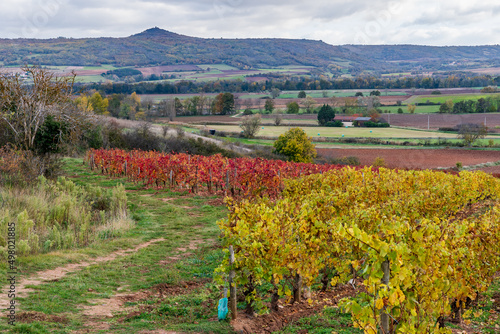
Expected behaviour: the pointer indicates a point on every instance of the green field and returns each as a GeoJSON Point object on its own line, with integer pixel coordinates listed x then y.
{"type": "Point", "coordinates": [319, 94]}
{"type": "Point", "coordinates": [221, 67]}
{"type": "Point", "coordinates": [90, 78]}
{"type": "Point", "coordinates": [275, 131]}
{"type": "Point", "coordinates": [418, 109]}
{"type": "Point", "coordinates": [102, 67]}
{"type": "Point", "coordinates": [444, 98]}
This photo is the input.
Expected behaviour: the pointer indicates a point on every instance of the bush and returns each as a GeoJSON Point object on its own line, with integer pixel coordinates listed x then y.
{"type": "Point", "coordinates": [379, 162]}
{"type": "Point", "coordinates": [347, 161]}
{"type": "Point", "coordinates": [449, 129]}
{"type": "Point", "coordinates": [292, 108]}
{"type": "Point", "coordinates": [248, 111]}
{"type": "Point", "coordinates": [19, 167]}
{"type": "Point", "coordinates": [296, 146]}
{"type": "Point", "coordinates": [335, 124]}
{"type": "Point", "coordinates": [370, 124]}
{"type": "Point", "coordinates": [250, 125]}
{"type": "Point", "coordinates": [53, 215]}
{"type": "Point", "coordinates": [278, 118]}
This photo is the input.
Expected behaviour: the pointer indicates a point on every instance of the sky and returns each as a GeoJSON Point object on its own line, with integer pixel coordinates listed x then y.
{"type": "Point", "coordinates": [422, 22]}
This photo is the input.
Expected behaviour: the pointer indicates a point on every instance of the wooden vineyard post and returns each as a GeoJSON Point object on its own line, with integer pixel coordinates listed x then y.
{"type": "Point", "coordinates": [210, 181]}
{"type": "Point", "coordinates": [227, 182]}
{"type": "Point", "coordinates": [280, 186]}
{"type": "Point", "coordinates": [195, 188]}
{"type": "Point", "coordinates": [235, 178]}
{"type": "Point", "coordinates": [171, 178]}
{"type": "Point", "coordinates": [297, 293]}
{"type": "Point", "coordinates": [232, 285]}
{"type": "Point", "coordinates": [384, 317]}
{"type": "Point", "coordinates": [125, 168]}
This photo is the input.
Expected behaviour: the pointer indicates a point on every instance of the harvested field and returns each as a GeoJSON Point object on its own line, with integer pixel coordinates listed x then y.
{"type": "Point", "coordinates": [158, 70]}
{"type": "Point", "coordinates": [419, 121]}
{"type": "Point", "coordinates": [442, 120]}
{"type": "Point", "coordinates": [416, 158]}
{"type": "Point", "coordinates": [209, 119]}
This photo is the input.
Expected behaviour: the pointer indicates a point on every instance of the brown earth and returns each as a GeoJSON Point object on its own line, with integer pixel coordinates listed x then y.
{"type": "Point", "coordinates": [436, 121]}
{"type": "Point", "coordinates": [416, 158]}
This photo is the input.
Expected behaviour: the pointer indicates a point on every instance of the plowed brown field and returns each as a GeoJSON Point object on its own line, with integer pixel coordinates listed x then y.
{"type": "Point", "coordinates": [416, 158]}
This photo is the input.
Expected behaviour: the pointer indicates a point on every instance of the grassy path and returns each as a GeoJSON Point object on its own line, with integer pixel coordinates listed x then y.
{"type": "Point", "coordinates": [156, 279]}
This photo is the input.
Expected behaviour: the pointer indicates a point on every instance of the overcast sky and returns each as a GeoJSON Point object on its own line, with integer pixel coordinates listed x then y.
{"type": "Point", "coordinates": [424, 22]}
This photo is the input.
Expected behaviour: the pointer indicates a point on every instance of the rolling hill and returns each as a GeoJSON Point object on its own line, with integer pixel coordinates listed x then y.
{"type": "Point", "coordinates": [156, 46]}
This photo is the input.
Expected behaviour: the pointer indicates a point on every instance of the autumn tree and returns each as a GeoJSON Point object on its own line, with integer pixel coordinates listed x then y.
{"type": "Point", "coordinates": [166, 108]}
{"type": "Point", "coordinates": [99, 104]}
{"type": "Point", "coordinates": [275, 92]}
{"type": "Point", "coordinates": [295, 145]}
{"type": "Point", "coordinates": [308, 104]}
{"type": "Point", "coordinates": [278, 117]}
{"type": "Point", "coordinates": [269, 105]}
{"type": "Point", "coordinates": [250, 125]}
{"type": "Point", "coordinates": [446, 107]}
{"type": "Point", "coordinates": [411, 108]}
{"type": "Point", "coordinates": [292, 108]}
{"type": "Point", "coordinates": [224, 104]}
{"type": "Point", "coordinates": [471, 132]}
{"type": "Point", "coordinates": [25, 106]}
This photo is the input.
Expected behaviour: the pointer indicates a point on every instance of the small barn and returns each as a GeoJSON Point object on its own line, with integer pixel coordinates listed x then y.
{"type": "Point", "coordinates": [360, 121]}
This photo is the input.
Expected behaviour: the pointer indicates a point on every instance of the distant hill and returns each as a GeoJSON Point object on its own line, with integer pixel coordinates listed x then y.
{"type": "Point", "coordinates": [156, 46]}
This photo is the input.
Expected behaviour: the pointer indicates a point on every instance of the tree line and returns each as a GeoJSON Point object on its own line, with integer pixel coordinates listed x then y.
{"type": "Point", "coordinates": [296, 83]}
{"type": "Point", "coordinates": [482, 105]}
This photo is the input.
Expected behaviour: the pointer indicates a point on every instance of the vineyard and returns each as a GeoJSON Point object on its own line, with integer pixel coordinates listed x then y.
{"type": "Point", "coordinates": [420, 245]}
{"type": "Point", "coordinates": [424, 243]}
{"type": "Point", "coordinates": [242, 177]}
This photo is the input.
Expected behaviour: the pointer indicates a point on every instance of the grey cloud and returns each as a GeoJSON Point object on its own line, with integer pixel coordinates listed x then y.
{"type": "Point", "coordinates": [335, 21]}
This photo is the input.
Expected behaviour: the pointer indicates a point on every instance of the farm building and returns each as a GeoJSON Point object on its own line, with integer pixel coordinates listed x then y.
{"type": "Point", "coordinates": [346, 120]}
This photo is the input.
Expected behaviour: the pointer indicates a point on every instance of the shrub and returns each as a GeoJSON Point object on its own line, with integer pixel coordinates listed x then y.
{"type": "Point", "coordinates": [449, 129]}
{"type": "Point", "coordinates": [370, 124]}
{"type": "Point", "coordinates": [471, 132]}
{"type": "Point", "coordinates": [335, 124]}
{"type": "Point", "coordinates": [295, 145]}
{"type": "Point", "coordinates": [250, 125]}
{"type": "Point", "coordinates": [53, 215]}
{"type": "Point", "coordinates": [249, 111]}
{"type": "Point", "coordinates": [292, 108]}
{"type": "Point", "coordinates": [379, 162]}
